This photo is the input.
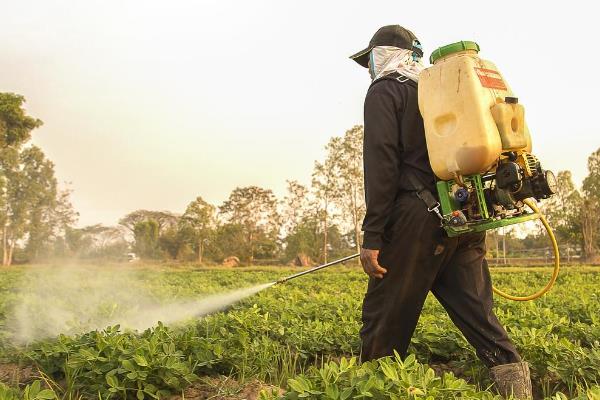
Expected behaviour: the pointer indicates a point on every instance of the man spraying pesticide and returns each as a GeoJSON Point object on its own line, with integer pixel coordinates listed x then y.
{"type": "Point", "coordinates": [447, 156]}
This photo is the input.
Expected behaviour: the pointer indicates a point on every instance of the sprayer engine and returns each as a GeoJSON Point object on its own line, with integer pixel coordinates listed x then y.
{"type": "Point", "coordinates": [487, 201]}
{"type": "Point", "coordinates": [518, 177]}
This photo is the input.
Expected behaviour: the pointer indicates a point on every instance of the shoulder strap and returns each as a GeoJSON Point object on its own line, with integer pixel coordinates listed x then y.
{"type": "Point", "coordinates": [394, 76]}
{"type": "Point", "coordinates": [424, 194]}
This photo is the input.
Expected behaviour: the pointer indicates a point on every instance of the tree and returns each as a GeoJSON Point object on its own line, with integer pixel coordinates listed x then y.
{"type": "Point", "coordinates": [15, 130]}
{"type": "Point", "coordinates": [300, 227]}
{"type": "Point", "coordinates": [32, 209]}
{"type": "Point", "coordinates": [563, 210]}
{"type": "Point", "coordinates": [50, 209]}
{"type": "Point", "coordinates": [295, 204]}
{"type": "Point", "coordinates": [348, 163]}
{"type": "Point", "coordinates": [146, 238]}
{"type": "Point", "coordinates": [13, 209]}
{"type": "Point", "coordinates": [326, 190]}
{"type": "Point", "coordinates": [96, 241]}
{"type": "Point", "coordinates": [15, 125]}
{"type": "Point", "coordinates": [40, 192]}
{"type": "Point", "coordinates": [164, 219]}
{"type": "Point", "coordinates": [590, 219]}
{"type": "Point", "coordinates": [199, 222]}
{"type": "Point", "coordinates": [77, 242]}
{"type": "Point", "coordinates": [174, 242]}
{"type": "Point", "coordinates": [254, 210]}
{"type": "Point", "coordinates": [231, 239]}
{"type": "Point", "coordinates": [306, 237]}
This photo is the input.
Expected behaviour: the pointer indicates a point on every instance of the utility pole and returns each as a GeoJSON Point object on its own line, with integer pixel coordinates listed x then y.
{"type": "Point", "coordinates": [497, 245]}
{"type": "Point", "coordinates": [504, 245]}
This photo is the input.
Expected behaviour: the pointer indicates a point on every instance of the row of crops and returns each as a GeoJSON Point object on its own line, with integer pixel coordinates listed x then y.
{"type": "Point", "coordinates": [303, 337]}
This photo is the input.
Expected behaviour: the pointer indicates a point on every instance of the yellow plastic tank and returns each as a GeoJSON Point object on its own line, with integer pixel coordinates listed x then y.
{"type": "Point", "coordinates": [471, 115]}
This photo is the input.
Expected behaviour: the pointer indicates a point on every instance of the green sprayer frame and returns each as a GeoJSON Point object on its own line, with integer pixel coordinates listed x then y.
{"type": "Point", "coordinates": [449, 204]}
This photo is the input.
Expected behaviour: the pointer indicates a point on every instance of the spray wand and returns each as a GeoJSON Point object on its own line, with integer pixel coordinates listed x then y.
{"type": "Point", "coordinates": [308, 271]}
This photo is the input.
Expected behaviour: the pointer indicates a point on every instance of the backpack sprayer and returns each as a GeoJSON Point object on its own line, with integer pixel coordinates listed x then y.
{"type": "Point", "coordinates": [480, 150]}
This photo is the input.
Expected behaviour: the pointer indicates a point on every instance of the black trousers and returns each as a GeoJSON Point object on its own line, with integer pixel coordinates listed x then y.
{"type": "Point", "coordinates": [420, 257]}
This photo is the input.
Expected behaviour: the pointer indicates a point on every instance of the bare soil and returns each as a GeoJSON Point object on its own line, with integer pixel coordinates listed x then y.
{"type": "Point", "coordinates": [12, 374]}
{"type": "Point", "coordinates": [441, 368]}
{"type": "Point", "coordinates": [225, 388]}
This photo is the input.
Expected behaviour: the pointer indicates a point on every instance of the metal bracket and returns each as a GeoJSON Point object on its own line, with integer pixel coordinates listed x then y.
{"type": "Point", "coordinates": [436, 209]}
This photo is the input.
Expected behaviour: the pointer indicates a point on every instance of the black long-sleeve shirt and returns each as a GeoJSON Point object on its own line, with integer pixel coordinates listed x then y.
{"type": "Point", "coordinates": [394, 145]}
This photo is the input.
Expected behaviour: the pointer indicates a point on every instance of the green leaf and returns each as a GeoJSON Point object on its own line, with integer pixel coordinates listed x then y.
{"type": "Point", "coordinates": [332, 392]}
{"type": "Point", "coordinates": [128, 365]}
{"type": "Point", "coordinates": [346, 393]}
{"type": "Point", "coordinates": [389, 371]}
{"type": "Point", "coordinates": [132, 376]}
{"type": "Point", "coordinates": [34, 389]}
{"type": "Point", "coordinates": [140, 360]}
{"type": "Point", "coordinates": [46, 394]}
{"type": "Point", "coordinates": [112, 380]}
{"type": "Point", "coordinates": [297, 386]}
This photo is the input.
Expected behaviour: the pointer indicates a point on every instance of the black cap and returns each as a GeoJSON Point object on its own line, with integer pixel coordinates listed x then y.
{"type": "Point", "coordinates": [389, 35]}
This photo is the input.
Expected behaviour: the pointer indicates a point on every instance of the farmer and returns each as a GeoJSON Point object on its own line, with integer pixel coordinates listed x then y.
{"type": "Point", "coordinates": [405, 252]}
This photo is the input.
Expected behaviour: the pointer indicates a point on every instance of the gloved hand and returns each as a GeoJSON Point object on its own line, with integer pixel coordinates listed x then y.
{"type": "Point", "coordinates": [368, 259]}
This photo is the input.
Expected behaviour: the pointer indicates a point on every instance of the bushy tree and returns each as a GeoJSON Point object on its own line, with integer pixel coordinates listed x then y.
{"type": "Point", "coordinates": [174, 242]}
{"type": "Point", "coordinates": [304, 239]}
{"type": "Point", "coordinates": [231, 240]}
{"type": "Point", "coordinates": [146, 238]}
{"type": "Point", "coordinates": [295, 205]}
{"type": "Point", "coordinates": [253, 210]}
{"type": "Point", "coordinates": [197, 226]}
{"type": "Point", "coordinates": [338, 185]}
{"type": "Point", "coordinates": [32, 209]}
{"type": "Point", "coordinates": [15, 125]}
{"type": "Point", "coordinates": [350, 181]}
{"type": "Point", "coordinates": [563, 210]}
{"type": "Point", "coordinates": [590, 218]}
{"type": "Point", "coordinates": [326, 192]}
{"type": "Point", "coordinates": [163, 219]}
{"type": "Point", "coordinates": [96, 241]}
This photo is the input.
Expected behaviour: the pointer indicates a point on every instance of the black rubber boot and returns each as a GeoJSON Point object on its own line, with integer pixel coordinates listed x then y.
{"type": "Point", "coordinates": [512, 380]}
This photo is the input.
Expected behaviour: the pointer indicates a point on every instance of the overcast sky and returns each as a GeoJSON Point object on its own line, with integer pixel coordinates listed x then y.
{"type": "Point", "coordinates": [149, 104]}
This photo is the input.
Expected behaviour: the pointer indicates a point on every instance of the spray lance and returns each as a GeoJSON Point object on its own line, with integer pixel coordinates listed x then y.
{"type": "Point", "coordinates": [314, 269]}
{"type": "Point", "coordinates": [479, 148]}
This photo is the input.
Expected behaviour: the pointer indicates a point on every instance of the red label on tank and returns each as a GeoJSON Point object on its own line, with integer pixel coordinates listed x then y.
{"type": "Point", "coordinates": [490, 78]}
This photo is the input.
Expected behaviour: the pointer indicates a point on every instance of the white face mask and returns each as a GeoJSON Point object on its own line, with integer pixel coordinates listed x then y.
{"type": "Point", "coordinates": [384, 60]}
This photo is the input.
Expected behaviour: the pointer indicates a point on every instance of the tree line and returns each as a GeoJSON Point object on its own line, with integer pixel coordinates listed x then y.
{"type": "Point", "coordinates": [315, 222]}
{"type": "Point", "coordinates": [311, 223]}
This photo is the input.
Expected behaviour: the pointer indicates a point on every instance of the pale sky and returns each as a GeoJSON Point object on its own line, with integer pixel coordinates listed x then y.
{"type": "Point", "coordinates": [149, 104]}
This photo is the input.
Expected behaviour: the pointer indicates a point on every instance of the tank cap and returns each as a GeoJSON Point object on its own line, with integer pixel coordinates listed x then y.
{"type": "Point", "coordinates": [452, 48]}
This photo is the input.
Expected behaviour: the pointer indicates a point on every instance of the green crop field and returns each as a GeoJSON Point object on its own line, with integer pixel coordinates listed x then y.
{"type": "Point", "coordinates": [297, 340]}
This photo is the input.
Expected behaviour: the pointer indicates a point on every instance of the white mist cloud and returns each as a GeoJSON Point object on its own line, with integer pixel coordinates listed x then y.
{"type": "Point", "coordinates": [71, 300]}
